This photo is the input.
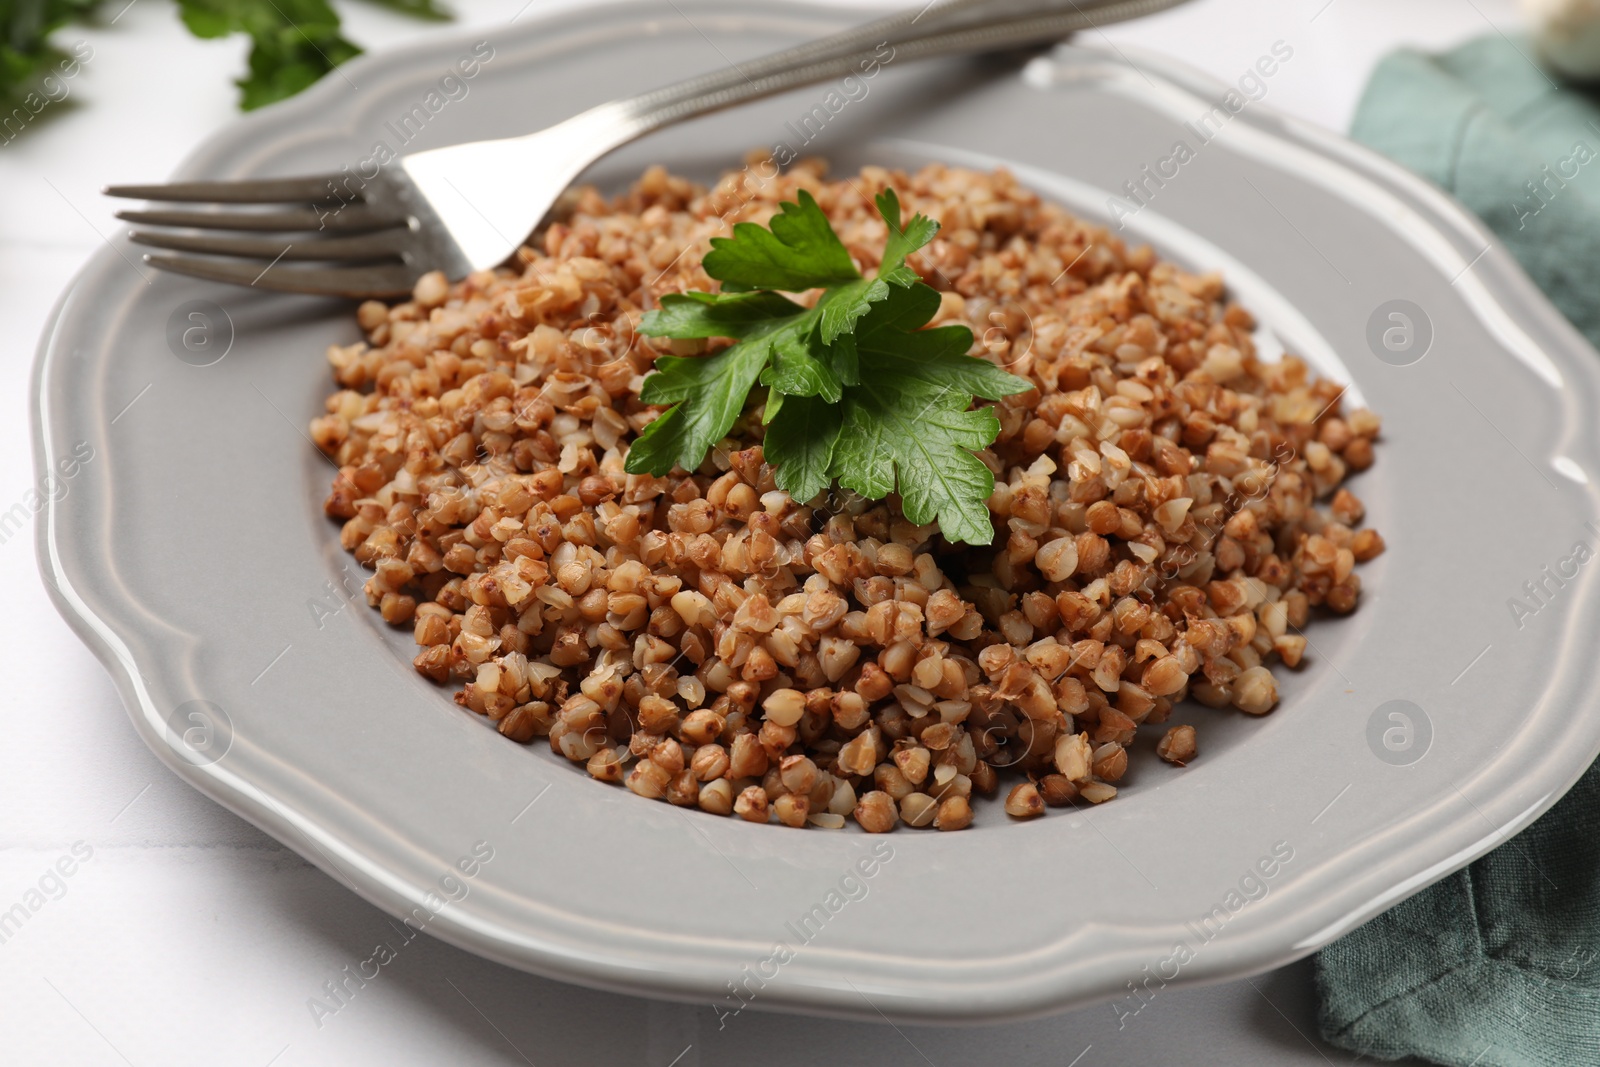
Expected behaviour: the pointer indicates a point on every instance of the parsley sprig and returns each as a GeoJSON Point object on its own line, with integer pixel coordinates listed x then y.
{"type": "Point", "coordinates": [292, 42]}
{"type": "Point", "coordinates": [858, 391]}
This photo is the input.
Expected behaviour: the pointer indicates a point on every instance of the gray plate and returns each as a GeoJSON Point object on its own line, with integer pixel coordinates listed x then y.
{"type": "Point", "coordinates": [190, 553]}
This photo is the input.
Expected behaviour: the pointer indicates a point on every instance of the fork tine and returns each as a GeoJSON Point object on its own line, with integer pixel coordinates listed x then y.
{"type": "Point", "coordinates": [265, 191]}
{"type": "Point", "coordinates": [382, 244]}
{"type": "Point", "coordinates": [348, 218]}
{"type": "Point", "coordinates": [358, 282]}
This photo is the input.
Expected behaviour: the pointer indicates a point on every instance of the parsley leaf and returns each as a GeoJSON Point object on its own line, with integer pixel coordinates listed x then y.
{"type": "Point", "coordinates": [422, 9]}
{"type": "Point", "coordinates": [775, 343]}
{"type": "Point", "coordinates": [858, 390]}
{"type": "Point", "coordinates": [795, 351]}
{"type": "Point", "coordinates": [783, 329]}
{"type": "Point", "coordinates": [902, 241]}
{"type": "Point", "coordinates": [26, 57]}
{"type": "Point", "coordinates": [292, 42]}
{"type": "Point", "coordinates": [843, 307]}
{"type": "Point", "coordinates": [893, 340]}
{"type": "Point", "coordinates": [799, 251]}
{"type": "Point", "coordinates": [801, 438]}
{"type": "Point", "coordinates": [907, 426]}
{"type": "Point", "coordinates": [708, 393]}
{"type": "Point", "coordinates": [688, 315]}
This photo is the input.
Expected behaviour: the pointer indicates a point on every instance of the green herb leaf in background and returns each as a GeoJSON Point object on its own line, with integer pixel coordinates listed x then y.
{"type": "Point", "coordinates": [293, 43]}
{"type": "Point", "coordinates": [25, 54]}
{"type": "Point", "coordinates": [422, 9]}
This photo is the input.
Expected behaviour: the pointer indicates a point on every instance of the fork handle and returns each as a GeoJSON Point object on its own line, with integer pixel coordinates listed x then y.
{"type": "Point", "coordinates": [938, 16]}
{"type": "Point", "coordinates": [948, 29]}
{"type": "Point", "coordinates": [464, 195]}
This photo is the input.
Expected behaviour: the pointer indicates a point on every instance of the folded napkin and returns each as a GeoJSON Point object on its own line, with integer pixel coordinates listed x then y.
{"type": "Point", "coordinates": [1499, 964]}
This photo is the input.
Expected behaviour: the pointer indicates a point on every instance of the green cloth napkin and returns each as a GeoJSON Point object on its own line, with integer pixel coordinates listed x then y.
{"type": "Point", "coordinates": [1499, 964]}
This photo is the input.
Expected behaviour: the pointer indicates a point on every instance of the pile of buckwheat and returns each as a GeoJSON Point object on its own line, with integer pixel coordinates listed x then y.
{"type": "Point", "coordinates": [1168, 511]}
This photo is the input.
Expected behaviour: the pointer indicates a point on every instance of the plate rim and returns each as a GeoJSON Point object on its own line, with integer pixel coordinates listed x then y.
{"type": "Point", "coordinates": [1509, 284]}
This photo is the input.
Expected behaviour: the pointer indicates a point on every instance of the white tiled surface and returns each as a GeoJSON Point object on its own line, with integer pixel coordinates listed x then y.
{"type": "Point", "coordinates": [188, 937]}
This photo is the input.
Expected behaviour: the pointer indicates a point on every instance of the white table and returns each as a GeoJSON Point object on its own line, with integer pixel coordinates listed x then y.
{"type": "Point", "coordinates": [189, 937]}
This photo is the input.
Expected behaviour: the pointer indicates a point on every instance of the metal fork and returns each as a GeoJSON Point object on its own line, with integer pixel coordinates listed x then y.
{"type": "Point", "coordinates": [471, 206]}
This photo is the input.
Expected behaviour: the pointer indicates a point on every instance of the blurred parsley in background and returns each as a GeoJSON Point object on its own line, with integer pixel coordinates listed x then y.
{"type": "Point", "coordinates": [292, 42]}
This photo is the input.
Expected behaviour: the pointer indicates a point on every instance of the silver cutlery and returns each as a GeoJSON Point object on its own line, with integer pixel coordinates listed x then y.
{"type": "Point", "coordinates": [470, 206]}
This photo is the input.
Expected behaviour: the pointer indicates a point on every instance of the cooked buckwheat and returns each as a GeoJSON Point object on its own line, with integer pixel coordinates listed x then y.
{"type": "Point", "coordinates": [1168, 509]}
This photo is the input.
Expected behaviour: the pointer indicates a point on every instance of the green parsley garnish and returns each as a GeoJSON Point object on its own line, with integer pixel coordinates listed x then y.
{"type": "Point", "coordinates": [858, 391]}
{"type": "Point", "coordinates": [292, 44]}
